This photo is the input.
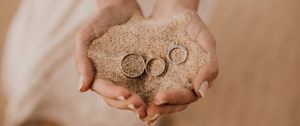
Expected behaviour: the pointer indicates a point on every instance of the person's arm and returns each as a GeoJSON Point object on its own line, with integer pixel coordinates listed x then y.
{"type": "Point", "coordinates": [166, 102]}
{"type": "Point", "coordinates": [110, 13]}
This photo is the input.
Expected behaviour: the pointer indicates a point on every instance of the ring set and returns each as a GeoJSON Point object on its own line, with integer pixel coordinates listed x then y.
{"type": "Point", "coordinates": [134, 65]}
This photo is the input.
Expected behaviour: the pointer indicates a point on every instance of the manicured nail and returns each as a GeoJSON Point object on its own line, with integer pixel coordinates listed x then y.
{"type": "Point", "coordinates": [203, 88]}
{"type": "Point", "coordinates": [160, 102]}
{"type": "Point", "coordinates": [120, 98]}
{"type": "Point", "coordinates": [153, 118]}
{"type": "Point", "coordinates": [138, 116]}
{"type": "Point", "coordinates": [80, 82]}
{"type": "Point", "coordinates": [131, 106]}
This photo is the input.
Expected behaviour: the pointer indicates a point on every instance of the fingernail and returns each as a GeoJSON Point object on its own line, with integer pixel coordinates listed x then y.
{"type": "Point", "coordinates": [80, 82]}
{"type": "Point", "coordinates": [203, 88]}
{"type": "Point", "coordinates": [120, 98]}
{"type": "Point", "coordinates": [160, 102]}
{"type": "Point", "coordinates": [138, 116]}
{"type": "Point", "coordinates": [153, 118]}
{"type": "Point", "coordinates": [131, 106]}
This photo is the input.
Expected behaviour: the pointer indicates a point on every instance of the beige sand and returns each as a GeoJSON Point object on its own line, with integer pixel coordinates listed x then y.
{"type": "Point", "coordinates": [149, 39]}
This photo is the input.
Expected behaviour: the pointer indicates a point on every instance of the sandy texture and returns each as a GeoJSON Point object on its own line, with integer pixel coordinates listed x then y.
{"type": "Point", "coordinates": [149, 39]}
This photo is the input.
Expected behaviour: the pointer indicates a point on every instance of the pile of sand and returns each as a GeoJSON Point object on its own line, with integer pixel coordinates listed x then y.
{"type": "Point", "coordinates": [121, 54]}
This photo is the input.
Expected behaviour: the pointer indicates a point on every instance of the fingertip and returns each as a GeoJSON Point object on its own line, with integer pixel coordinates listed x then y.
{"type": "Point", "coordinates": [165, 109]}
{"type": "Point", "coordinates": [85, 81]}
{"type": "Point", "coordinates": [141, 112]}
{"type": "Point", "coordinates": [81, 78]}
{"type": "Point", "coordinates": [86, 73]}
{"type": "Point", "coordinates": [152, 119]}
{"type": "Point", "coordinates": [137, 104]}
{"type": "Point", "coordinates": [137, 101]}
{"type": "Point", "coordinates": [152, 110]}
{"type": "Point", "coordinates": [160, 98]}
{"type": "Point", "coordinates": [203, 88]}
{"type": "Point", "coordinates": [204, 78]}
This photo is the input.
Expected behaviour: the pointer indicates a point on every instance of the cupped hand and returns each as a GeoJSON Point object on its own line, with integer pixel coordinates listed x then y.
{"type": "Point", "coordinates": [110, 13]}
{"type": "Point", "coordinates": [167, 102]}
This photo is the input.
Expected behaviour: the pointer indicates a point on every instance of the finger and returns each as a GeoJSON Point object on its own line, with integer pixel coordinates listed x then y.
{"type": "Point", "coordinates": [175, 97]}
{"type": "Point", "coordinates": [108, 89]}
{"type": "Point", "coordinates": [93, 29]}
{"type": "Point", "coordinates": [83, 64]}
{"type": "Point", "coordinates": [209, 71]}
{"type": "Point", "coordinates": [205, 77]}
{"type": "Point", "coordinates": [133, 103]}
{"type": "Point", "coordinates": [139, 106]}
{"type": "Point", "coordinates": [164, 109]}
{"type": "Point", "coordinates": [199, 32]}
{"type": "Point", "coordinates": [154, 112]}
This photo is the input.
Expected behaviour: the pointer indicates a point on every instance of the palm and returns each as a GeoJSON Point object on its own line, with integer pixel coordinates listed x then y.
{"type": "Point", "coordinates": [107, 16]}
{"type": "Point", "coordinates": [178, 100]}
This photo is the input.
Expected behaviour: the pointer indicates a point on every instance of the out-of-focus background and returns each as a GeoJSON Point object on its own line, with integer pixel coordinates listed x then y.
{"type": "Point", "coordinates": [7, 10]}
{"type": "Point", "coordinates": [259, 52]}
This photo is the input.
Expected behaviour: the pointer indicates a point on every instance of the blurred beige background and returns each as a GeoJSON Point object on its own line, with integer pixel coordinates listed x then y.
{"type": "Point", "coordinates": [7, 9]}
{"type": "Point", "coordinates": [259, 53]}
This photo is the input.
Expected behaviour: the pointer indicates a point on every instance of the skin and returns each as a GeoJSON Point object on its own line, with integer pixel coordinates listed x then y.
{"type": "Point", "coordinates": [168, 102]}
{"type": "Point", "coordinates": [115, 12]}
{"type": "Point", "coordinates": [110, 13]}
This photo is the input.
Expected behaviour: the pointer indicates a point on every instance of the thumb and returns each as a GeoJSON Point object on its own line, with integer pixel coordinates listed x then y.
{"type": "Point", "coordinates": [83, 64]}
{"type": "Point", "coordinates": [205, 77]}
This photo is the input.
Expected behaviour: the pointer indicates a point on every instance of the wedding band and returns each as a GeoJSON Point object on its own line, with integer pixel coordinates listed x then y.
{"type": "Point", "coordinates": [176, 46]}
{"type": "Point", "coordinates": [161, 68]}
{"type": "Point", "coordinates": [132, 65]}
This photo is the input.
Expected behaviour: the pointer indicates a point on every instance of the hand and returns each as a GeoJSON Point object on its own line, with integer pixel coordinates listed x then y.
{"type": "Point", "coordinates": [166, 102]}
{"type": "Point", "coordinates": [111, 12]}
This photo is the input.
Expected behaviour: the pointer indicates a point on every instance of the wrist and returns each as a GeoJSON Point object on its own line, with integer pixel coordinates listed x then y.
{"type": "Point", "coordinates": [173, 4]}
